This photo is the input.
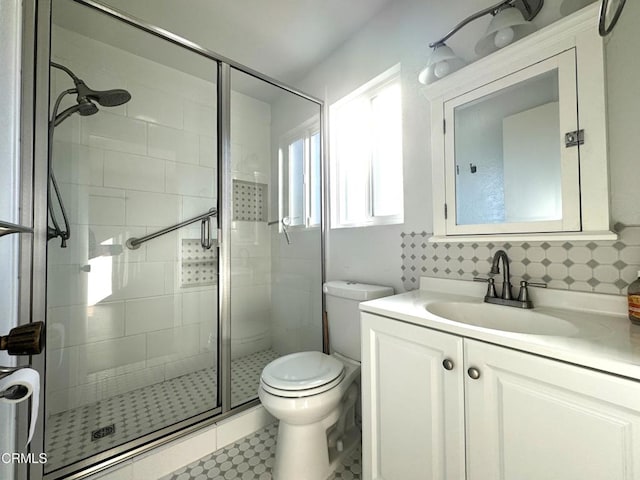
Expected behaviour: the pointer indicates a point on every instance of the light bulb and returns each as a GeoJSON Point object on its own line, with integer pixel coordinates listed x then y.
{"type": "Point", "coordinates": [441, 69]}
{"type": "Point", "coordinates": [503, 37]}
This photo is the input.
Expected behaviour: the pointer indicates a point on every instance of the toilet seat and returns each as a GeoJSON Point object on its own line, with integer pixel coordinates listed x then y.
{"type": "Point", "coordinates": [302, 374]}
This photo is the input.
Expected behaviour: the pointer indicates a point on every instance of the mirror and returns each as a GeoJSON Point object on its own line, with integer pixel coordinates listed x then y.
{"type": "Point", "coordinates": [507, 154]}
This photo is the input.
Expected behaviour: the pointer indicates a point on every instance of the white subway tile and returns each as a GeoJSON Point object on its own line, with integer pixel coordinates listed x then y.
{"type": "Point", "coordinates": [120, 384]}
{"type": "Point", "coordinates": [165, 248]}
{"type": "Point", "coordinates": [190, 180]}
{"type": "Point", "coordinates": [181, 341]}
{"type": "Point", "coordinates": [109, 354]}
{"type": "Point", "coordinates": [138, 280]}
{"type": "Point", "coordinates": [62, 368]}
{"type": "Point", "coordinates": [123, 170]}
{"type": "Point", "coordinates": [114, 238]}
{"type": "Point", "coordinates": [175, 145]}
{"type": "Point", "coordinates": [208, 151]}
{"type": "Point", "coordinates": [106, 210]}
{"type": "Point", "coordinates": [152, 105]}
{"type": "Point", "coordinates": [151, 314]}
{"type": "Point", "coordinates": [200, 119]}
{"type": "Point", "coordinates": [152, 209]}
{"type": "Point", "coordinates": [66, 285]}
{"type": "Point", "coordinates": [75, 325]}
{"type": "Point", "coordinates": [114, 132]}
{"type": "Point", "coordinates": [200, 307]}
{"type": "Point", "coordinates": [79, 164]}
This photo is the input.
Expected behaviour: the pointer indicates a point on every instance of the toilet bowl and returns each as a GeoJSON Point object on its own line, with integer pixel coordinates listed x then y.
{"type": "Point", "coordinates": [317, 422]}
{"type": "Point", "coordinates": [315, 395]}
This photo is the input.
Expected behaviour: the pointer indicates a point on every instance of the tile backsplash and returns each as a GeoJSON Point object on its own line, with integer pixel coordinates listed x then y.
{"type": "Point", "coordinates": [588, 266]}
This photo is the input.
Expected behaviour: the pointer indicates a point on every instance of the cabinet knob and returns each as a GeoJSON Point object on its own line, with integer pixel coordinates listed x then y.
{"type": "Point", "coordinates": [447, 363]}
{"type": "Point", "coordinates": [474, 373]}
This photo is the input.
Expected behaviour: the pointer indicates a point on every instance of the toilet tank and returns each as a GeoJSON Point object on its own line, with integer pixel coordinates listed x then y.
{"type": "Point", "coordinates": [343, 315]}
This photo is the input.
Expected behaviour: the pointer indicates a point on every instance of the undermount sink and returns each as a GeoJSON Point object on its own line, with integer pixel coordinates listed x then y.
{"type": "Point", "coordinates": [503, 318]}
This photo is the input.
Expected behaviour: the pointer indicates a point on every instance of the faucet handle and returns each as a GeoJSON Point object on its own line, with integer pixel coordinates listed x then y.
{"type": "Point", "coordinates": [491, 287]}
{"type": "Point", "coordinates": [523, 296]}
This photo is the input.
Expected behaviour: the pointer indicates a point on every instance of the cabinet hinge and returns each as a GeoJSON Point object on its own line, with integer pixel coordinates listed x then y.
{"type": "Point", "coordinates": [573, 139]}
{"type": "Point", "coordinates": [445, 211]}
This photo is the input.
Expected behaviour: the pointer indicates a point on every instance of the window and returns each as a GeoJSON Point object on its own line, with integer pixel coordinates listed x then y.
{"type": "Point", "coordinates": [300, 176]}
{"type": "Point", "coordinates": [366, 154]}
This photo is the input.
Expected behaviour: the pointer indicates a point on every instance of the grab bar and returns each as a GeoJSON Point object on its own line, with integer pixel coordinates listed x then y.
{"type": "Point", "coordinates": [7, 228]}
{"type": "Point", "coordinates": [133, 243]}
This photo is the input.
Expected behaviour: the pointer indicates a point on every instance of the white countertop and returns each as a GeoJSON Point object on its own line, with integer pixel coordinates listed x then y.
{"type": "Point", "coordinates": [605, 340]}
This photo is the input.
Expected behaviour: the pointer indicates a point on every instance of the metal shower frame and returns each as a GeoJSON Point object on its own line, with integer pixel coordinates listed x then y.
{"type": "Point", "coordinates": [33, 251]}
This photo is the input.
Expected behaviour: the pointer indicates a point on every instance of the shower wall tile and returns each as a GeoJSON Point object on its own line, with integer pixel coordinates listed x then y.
{"type": "Point", "coordinates": [78, 324]}
{"type": "Point", "coordinates": [66, 285]}
{"type": "Point", "coordinates": [172, 344]}
{"type": "Point", "coordinates": [208, 151]}
{"type": "Point", "coordinates": [604, 266]}
{"type": "Point", "coordinates": [190, 180]}
{"type": "Point", "coordinates": [62, 367]}
{"type": "Point", "coordinates": [153, 105]}
{"type": "Point", "coordinates": [106, 210]}
{"type": "Point", "coordinates": [137, 280]}
{"type": "Point", "coordinates": [200, 307]}
{"type": "Point", "coordinates": [152, 209]}
{"type": "Point", "coordinates": [113, 132]}
{"type": "Point", "coordinates": [135, 172]}
{"type": "Point", "coordinates": [174, 145]}
{"type": "Point", "coordinates": [200, 119]}
{"type": "Point", "coordinates": [101, 356]}
{"type": "Point", "coordinates": [165, 248]}
{"type": "Point", "coordinates": [152, 314]}
{"type": "Point", "coordinates": [78, 164]}
{"type": "Point", "coordinates": [118, 235]}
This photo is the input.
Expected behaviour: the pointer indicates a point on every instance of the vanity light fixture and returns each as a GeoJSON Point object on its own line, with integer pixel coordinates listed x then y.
{"type": "Point", "coordinates": [510, 22]}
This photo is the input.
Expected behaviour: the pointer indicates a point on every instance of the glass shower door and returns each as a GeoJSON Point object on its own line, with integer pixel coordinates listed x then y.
{"type": "Point", "coordinates": [276, 239]}
{"type": "Point", "coordinates": [132, 321]}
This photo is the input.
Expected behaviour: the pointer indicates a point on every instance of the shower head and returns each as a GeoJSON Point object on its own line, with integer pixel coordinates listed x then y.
{"type": "Point", "coordinates": [106, 98]}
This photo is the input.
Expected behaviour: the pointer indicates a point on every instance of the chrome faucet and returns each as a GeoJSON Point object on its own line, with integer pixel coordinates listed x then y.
{"type": "Point", "coordinates": [506, 277]}
{"type": "Point", "coordinates": [506, 297]}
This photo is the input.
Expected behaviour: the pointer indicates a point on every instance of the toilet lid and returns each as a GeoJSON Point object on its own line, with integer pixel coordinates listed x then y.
{"type": "Point", "coordinates": [302, 371]}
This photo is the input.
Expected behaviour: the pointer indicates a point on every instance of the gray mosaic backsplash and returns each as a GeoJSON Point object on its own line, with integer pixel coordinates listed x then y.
{"type": "Point", "coordinates": [588, 266]}
{"type": "Point", "coordinates": [198, 266]}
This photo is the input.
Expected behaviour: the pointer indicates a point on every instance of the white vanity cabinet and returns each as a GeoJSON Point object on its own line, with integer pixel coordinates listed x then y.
{"type": "Point", "coordinates": [497, 414]}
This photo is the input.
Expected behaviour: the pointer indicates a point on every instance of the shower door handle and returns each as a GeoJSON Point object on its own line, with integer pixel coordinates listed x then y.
{"type": "Point", "coordinates": [205, 233]}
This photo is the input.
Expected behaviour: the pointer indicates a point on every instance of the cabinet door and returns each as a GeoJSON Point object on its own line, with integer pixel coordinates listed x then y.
{"type": "Point", "coordinates": [412, 407]}
{"type": "Point", "coordinates": [531, 418]}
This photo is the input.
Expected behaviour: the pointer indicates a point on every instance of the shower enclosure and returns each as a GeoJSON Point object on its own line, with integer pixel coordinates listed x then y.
{"type": "Point", "coordinates": [184, 235]}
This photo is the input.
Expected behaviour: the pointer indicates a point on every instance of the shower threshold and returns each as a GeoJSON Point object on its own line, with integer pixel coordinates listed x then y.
{"type": "Point", "coordinates": [82, 432]}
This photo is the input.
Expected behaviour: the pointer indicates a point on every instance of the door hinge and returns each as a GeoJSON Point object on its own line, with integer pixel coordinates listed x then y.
{"type": "Point", "coordinates": [445, 211]}
{"type": "Point", "coordinates": [573, 139]}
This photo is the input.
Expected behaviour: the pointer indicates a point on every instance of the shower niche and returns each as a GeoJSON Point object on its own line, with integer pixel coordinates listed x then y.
{"type": "Point", "coordinates": [153, 326]}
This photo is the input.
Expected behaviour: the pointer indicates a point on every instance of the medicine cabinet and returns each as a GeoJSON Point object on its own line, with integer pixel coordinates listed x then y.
{"type": "Point", "coordinates": [519, 144]}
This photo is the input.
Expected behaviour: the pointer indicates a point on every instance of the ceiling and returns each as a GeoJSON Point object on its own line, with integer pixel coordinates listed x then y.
{"type": "Point", "coordinates": [283, 39]}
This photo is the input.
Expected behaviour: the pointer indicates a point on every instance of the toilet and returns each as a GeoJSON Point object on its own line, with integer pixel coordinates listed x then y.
{"type": "Point", "coordinates": [314, 395]}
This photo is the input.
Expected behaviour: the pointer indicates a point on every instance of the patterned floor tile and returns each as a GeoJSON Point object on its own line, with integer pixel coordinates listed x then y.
{"type": "Point", "coordinates": [139, 412]}
{"type": "Point", "coordinates": [251, 458]}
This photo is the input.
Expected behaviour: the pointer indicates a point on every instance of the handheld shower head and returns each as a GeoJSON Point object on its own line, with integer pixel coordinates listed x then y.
{"type": "Point", "coordinates": [106, 98]}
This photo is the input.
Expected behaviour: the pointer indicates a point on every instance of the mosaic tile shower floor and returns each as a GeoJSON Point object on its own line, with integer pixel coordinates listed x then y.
{"type": "Point", "coordinates": [251, 458]}
{"type": "Point", "coordinates": [147, 409]}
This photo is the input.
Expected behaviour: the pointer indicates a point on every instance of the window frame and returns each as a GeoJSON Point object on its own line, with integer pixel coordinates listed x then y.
{"type": "Point", "coordinates": [305, 131]}
{"type": "Point", "coordinates": [368, 91]}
